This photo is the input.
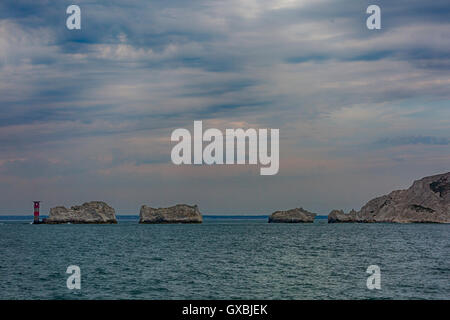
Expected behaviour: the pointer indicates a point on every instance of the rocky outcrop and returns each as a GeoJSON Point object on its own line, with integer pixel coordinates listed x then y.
{"type": "Point", "coordinates": [89, 212]}
{"type": "Point", "coordinates": [297, 215]}
{"type": "Point", "coordinates": [181, 213]}
{"type": "Point", "coordinates": [341, 216]}
{"type": "Point", "coordinates": [426, 201]}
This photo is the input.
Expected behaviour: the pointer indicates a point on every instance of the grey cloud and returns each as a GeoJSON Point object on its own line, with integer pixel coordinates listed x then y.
{"type": "Point", "coordinates": [425, 140]}
{"type": "Point", "coordinates": [141, 69]}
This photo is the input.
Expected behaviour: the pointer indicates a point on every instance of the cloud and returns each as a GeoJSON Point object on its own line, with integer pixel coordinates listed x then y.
{"type": "Point", "coordinates": [106, 98]}
{"type": "Point", "coordinates": [426, 140]}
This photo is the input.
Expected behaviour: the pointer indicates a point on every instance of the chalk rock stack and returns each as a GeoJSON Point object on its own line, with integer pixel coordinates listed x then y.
{"type": "Point", "coordinates": [426, 201]}
{"type": "Point", "coordinates": [180, 213]}
{"type": "Point", "coordinates": [298, 215]}
{"type": "Point", "coordinates": [90, 212]}
{"type": "Point", "coordinates": [341, 216]}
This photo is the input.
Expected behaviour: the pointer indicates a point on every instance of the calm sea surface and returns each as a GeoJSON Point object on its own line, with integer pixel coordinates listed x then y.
{"type": "Point", "coordinates": [225, 259]}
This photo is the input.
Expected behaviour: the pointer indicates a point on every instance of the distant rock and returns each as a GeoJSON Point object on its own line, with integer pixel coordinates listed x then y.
{"type": "Point", "coordinates": [340, 216]}
{"type": "Point", "coordinates": [426, 201]}
{"type": "Point", "coordinates": [89, 212]}
{"type": "Point", "coordinates": [181, 213]}
{"type": "Point", "coordinates": [297, 215]}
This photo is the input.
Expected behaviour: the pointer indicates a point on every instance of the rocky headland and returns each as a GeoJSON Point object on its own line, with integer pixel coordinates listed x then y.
{"type": "Point", "coordinates": [90, 212]}
{"type": "Point", "coordinates": [180, 213]}
{"type": "Point", "coordinates": [298, 215]}
{"type": "Point", "coordinates": [426, 201]}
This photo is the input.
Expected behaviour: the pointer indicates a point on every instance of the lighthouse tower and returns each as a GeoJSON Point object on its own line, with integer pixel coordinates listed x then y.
{"type": "Point", "coordinates": [36, 211]}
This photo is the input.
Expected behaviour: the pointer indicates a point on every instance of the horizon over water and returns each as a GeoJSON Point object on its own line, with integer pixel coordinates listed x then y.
{"type": "Point", "coordinates": [224, 259]}
{"type": "Point", "coordinates": [128, 217]}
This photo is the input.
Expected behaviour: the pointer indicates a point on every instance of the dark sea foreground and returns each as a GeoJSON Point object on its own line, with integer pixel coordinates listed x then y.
{"type": "Point", "coordinates": [224, 259]}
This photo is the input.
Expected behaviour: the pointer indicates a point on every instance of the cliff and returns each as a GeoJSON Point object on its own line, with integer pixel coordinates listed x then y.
{"type": "Point", "coordinates": [297, 215]}
{"type": "Point", "coordinates": [341, 216]}
{"type": "Point", "coordinates": [181, 213]}
{"type": "Point", "coordinates": [426, 201]}
{"type": "Point", "coordinates": [89, 212]}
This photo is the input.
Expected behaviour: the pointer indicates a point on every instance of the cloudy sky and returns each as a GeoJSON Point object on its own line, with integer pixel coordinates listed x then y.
{"type": "Point", "coordinates": [87, 114]}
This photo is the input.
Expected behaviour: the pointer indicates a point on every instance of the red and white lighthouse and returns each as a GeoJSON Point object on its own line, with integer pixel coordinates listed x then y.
{"type": "Point", "coordinates": [36, 211]}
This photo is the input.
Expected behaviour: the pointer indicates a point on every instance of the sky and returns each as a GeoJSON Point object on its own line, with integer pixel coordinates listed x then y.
{"type": "Point", "coordinates": [88, 114]}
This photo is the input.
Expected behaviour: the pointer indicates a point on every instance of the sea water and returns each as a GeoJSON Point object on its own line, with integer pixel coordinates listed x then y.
{"type": "Point", "coordinates": [224, 259]}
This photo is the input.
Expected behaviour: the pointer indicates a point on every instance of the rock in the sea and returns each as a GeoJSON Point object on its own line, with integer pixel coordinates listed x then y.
{"type": "Point", "coordinates": [426, 201]}
{"type": "Point", "coordinates": [340, 216]}
{"type": "Point", "coordinates": [181, 213]}
{"type": "Point", "coordinates": [297, 215]}
{"type": "Point", "coordinates": [89, 212]}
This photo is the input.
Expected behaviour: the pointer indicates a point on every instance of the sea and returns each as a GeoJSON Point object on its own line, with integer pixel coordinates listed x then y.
{"type": "Point", "coordinates": [224, 258]}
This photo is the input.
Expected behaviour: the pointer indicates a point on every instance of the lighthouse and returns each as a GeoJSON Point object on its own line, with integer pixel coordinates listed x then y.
{"type": "Point", "coordinates": [36, 212]}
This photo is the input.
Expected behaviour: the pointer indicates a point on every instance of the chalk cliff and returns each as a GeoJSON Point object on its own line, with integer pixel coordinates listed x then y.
{"type": "Point", "coordinates": [426, 201]}
{"type": "Point", "coordinates": [297, 215]}
{"type": "Point", "coordinates": [89, 212]}
{"type": "Point", "coordinates": [341, 216]}
{"type": "Point", "coordinates": [180, 213]}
